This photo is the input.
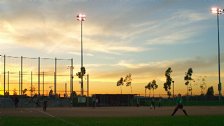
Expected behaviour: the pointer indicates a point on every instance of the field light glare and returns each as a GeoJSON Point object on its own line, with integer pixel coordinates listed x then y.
{"type": "Point", "coordinates": [81, 17]}
{"type": "Point", "coordinates": [216, 10]}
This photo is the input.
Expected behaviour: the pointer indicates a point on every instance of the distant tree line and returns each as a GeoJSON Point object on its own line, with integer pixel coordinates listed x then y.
{"type": "Point", "coordinates": [152, 85]}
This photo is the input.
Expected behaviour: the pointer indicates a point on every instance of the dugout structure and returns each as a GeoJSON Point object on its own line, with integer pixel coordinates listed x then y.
{"type": "Point", "coordinates": [115, 99]}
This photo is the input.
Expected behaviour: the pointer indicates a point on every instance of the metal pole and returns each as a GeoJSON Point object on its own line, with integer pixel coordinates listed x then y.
{"type": "Point", "coordinates": [38, 75]}
{"type": "Point", "coordinates": [8, 81]}
{"type": "Point", "coordinates": [55, 74]}
{"type": "Point", "coordinates": [19, 84]}
{"type": "Point", "coordinates": [65, 89]}
{"type": "Point", "coordinates": [219, 85]}
{"type": "Point", "coordinates": [81, 62]}
{"type": "Point", "coordinates": [87, 85]}
{"type": "Point", "coordinates": [87, 89]}
{"type": "Point", "coordinates": [21, 73]}
{"type": "Point", "coordinates": [4, 75]}
{"type": "Point", "coordinates": [71, 76]}
{"type": "Point", "coordinates": [31, 85]}
{"type": "Point", "coordinates": [43, 83]}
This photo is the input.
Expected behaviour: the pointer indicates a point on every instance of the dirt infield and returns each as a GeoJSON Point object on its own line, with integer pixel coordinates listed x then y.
{"type": "Point", "coordinates": [110, 111]}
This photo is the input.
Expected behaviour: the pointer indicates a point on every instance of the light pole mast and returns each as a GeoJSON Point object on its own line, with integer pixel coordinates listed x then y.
{"type": "Point", "coordinates": [218, 11]}
{"type": "Point", "coordinates": [219, 85]}
{"type": "Point", "coordinates": [81, 17]}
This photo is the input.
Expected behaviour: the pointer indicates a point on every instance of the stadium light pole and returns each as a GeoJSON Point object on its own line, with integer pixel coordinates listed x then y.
{"type": "Point", "coordinates": [218, 12]}
{"type": "Point", "coordinates": [81, 18]}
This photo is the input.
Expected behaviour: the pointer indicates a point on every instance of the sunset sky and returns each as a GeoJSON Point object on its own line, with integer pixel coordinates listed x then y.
{"type": "Point", "coordinates": [141, 37]}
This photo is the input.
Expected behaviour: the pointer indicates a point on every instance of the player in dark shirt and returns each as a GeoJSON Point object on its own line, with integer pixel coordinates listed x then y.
{"type": "Point", "coordinates": [179, 101]}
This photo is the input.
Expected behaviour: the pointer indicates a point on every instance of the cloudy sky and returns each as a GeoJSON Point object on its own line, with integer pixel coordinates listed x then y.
{"type": "Point", "coordinates": [141, 37]}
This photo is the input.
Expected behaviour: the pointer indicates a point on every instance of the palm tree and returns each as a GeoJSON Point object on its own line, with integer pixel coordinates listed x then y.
{"type": "Point", "coordinates": [169, 81]}
{"type": "Point", "coordinates": [120, 83]}
{"type": "Point", "coordinates": [151, 85]}
{"type": "Point", "coordinates": [14, 91]}
{"type": "Point", "coordinates": [154, 86]}
{"type": "Point", "coordinates": [210, 91]}
{"type": "Point", "coordinates": [24, 91]}
{"type": "Point", "coordinates": [128, 80]}
{"type": "Point", "coordinates": [148, 86]}
{"type": "Point", "coordinates": [188, 80]}
{"type": "Point", "coordinates": [203, 85]}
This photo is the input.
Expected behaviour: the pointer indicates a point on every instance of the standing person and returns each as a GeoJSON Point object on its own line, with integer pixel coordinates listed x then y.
{"type": "Point", "coordinates": [37, 102]}
{"type": "Point", "coordinates": [93, 102]}
{"type": "Point", "coordinates": [45, 105]}
{"type": "Point", "coordinates": [153, 104]}
{"type": "Point", "coordinates": [159, 102]}
{"type": "Point", "coordinates": [96, 102]}
{"type": "Point", "coordinates": [16, 101]}
{"type": "Point", "coordinates": [179, 105]}
{"type": "Point", "coordinates": [137, 104]}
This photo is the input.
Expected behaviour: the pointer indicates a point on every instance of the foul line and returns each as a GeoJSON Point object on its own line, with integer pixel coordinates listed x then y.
{"type": "Point", "coordinates": [70, 123]}
{"type": "Point", "coordinates": [47, 114]}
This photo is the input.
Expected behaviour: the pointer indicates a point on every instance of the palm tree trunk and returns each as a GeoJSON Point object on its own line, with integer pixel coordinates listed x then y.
{"type": "Point", "coordinates": [145, 92]}
{"type": "Point", "coordinates": [131, 89]}
{"type": "Point", "coordinates": [153, 92]}
{"type": "Point", "coordinates": [187, 90]}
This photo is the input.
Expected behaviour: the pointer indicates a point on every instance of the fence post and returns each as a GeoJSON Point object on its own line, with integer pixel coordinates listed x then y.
{"type": "Point", "coordinates": [71, 76]}
{"type": "Point", "coordinates": [55, 78]}
{"type": "Point", "coordinates": [65, 89]}
{"type": "Point", "coordinates": [19, 84]}
{"type": "Point", "coordinates": [31, 84]}
{"type": "Point", "coordinates": [43, 83]}
{"type": "Point", "coordinates": [87, 89]}
{"type": "Point", "coordinates": [4, 75]}
{"type": "Point", "coordinates": [21, 74]}
{"type": "Point", "coordinates": [38, 75]}
{"type": "Point", "coordinates": [8, 81]}
{"type": "Point", "coordinates": [87, 85]}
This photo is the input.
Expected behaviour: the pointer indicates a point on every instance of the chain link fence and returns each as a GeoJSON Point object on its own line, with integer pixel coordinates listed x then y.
{"type": "Point", "coordinates": [30, 76]}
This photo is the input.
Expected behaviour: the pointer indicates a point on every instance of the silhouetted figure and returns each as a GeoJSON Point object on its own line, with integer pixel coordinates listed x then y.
{"type": "Point", "coordinates": [51, 93]}
{"type": "Point", "coordinates": [159, 102]}
{"type": "Point", "coordinates": [45, 105]}
{"type": "Point", "coordinates": [153, 104]}
{"type": "Point", "coordinates": [179, 105]}
{"type": "Point", "coordinates": [37, 102]}
{"type": "Point", "coordinates": [137, 103]}
{"type": "Point", "coordinates": [16, 101]}
{"type": "Point", "coordinates": [93, 102]}
{"type": "Point", "coordinates": [96, 102]}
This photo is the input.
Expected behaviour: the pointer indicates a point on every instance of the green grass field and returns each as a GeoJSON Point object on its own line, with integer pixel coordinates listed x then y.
{"type": "Point", "coordinates": [114, 121]}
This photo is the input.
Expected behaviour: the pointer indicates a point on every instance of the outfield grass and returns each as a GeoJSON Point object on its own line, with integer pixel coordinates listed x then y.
{"type": "Point", "coordinates": [114, 121]}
